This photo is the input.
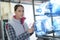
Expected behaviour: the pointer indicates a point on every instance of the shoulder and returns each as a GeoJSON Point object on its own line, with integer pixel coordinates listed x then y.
{"type": "Point", "coordinates": [8, 26]}
{"type": "Point", "coordinates": [11, 22]}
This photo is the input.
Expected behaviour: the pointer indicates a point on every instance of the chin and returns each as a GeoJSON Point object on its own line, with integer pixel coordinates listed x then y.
{"type": "Point", "coordinates": [20, 17]}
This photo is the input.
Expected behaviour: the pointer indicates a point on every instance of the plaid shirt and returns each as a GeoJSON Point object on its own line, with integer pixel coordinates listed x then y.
{"type": "Point", "coordinates": [12, 34]}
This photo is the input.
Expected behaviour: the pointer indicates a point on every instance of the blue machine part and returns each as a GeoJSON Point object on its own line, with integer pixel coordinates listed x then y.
{"type": "Point", "coordinates": [56, 25]}
{"type": "Point", "coordinates": [42, 26]}
{"type": "Point", "coordinates": [49, 8]}
{"type": "Point", "coordinates": [54, 9]}
{"type": "Point", "coordinates": [39, 10]}
{"type": "Point", "coordinates": [38, 28]}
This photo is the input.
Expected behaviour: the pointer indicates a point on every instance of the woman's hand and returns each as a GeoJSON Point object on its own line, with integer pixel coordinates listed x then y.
{"type": "Point", "coordinates": [31, 29]}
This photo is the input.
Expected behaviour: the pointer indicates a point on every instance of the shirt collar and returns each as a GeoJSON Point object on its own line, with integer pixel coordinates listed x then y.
{"type": "Point", "coordinates": [21, 20]}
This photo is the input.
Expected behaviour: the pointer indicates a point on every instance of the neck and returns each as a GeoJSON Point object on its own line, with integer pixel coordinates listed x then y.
{"type": "Point", "coordinates": [17, 18]}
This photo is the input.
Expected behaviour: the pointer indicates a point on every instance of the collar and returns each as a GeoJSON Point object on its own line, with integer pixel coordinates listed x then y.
{"type": "Point", "coordinates": [21, 20]}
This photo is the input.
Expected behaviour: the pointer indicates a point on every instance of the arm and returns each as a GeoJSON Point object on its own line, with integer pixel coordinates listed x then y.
{"type": "Point", "coordinates": [10, 32]}
{"type": "Point", "coordinates": [12, 35]}
{"type": "Point", "coordinates": [24, 36]}
{"type": "Point", "coordinates": [27, 33]}
{"type": "Point", "coordinates": [31, 30]}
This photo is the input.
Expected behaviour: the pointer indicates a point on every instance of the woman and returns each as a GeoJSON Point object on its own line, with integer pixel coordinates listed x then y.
{"type": "Point", "coordinates": [17, 29]}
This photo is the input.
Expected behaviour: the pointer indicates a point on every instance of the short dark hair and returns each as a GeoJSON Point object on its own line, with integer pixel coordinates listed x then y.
{"type": "Point", "coordinates": [16, 6]}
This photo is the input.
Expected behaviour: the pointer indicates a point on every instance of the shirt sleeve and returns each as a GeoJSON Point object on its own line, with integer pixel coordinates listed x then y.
{"type": "Point", "coordinates": [11, 32]}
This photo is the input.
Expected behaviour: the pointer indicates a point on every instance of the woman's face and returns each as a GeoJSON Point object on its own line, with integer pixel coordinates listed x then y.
{"type": "Point", "coordinates": [19, 12]}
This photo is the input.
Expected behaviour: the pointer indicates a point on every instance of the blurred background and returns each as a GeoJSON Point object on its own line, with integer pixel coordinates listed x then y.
{"type": "Point", "coordinates": [38, 10]}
